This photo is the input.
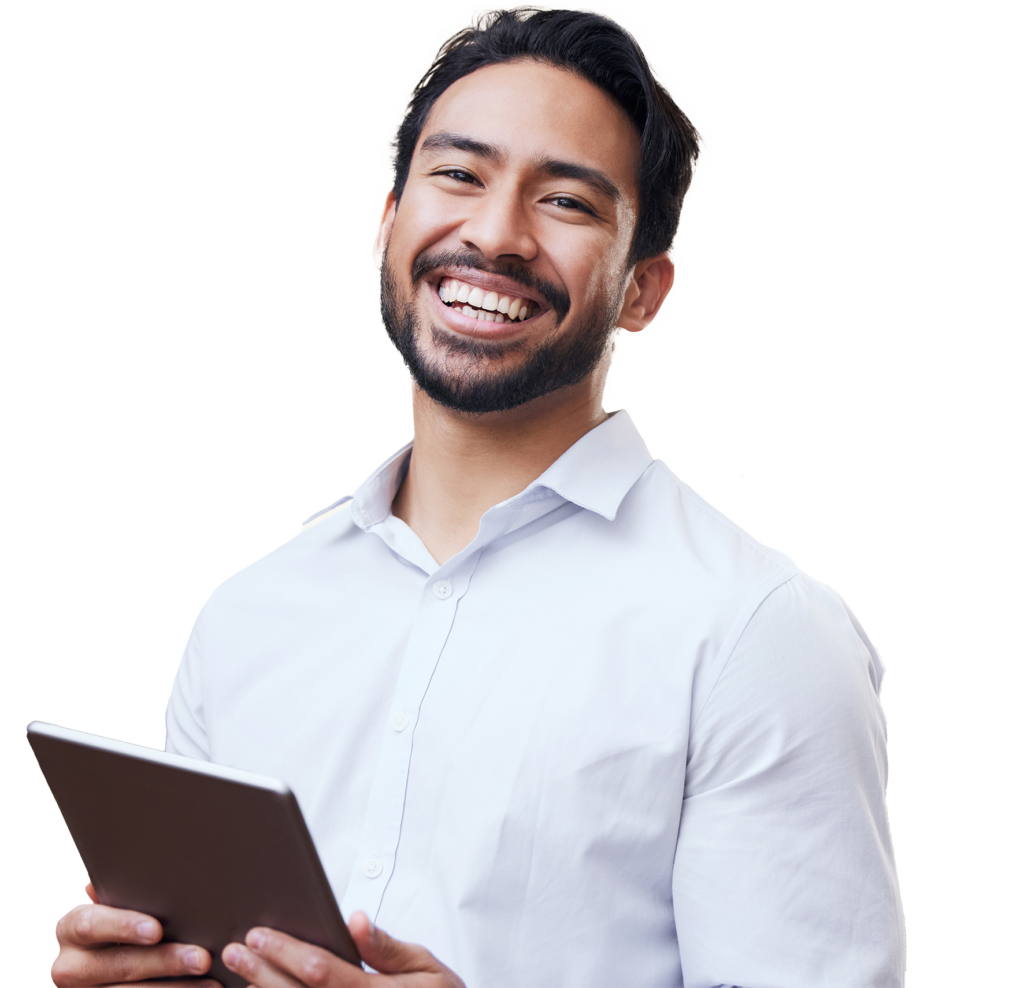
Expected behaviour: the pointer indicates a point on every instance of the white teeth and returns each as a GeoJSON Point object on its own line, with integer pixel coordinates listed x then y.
{"type": "Point", "coordinates": [488, 306]}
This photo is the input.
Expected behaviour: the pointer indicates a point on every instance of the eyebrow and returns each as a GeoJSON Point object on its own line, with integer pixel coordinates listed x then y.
{"type": "Point", "coordinates": [596, 179]}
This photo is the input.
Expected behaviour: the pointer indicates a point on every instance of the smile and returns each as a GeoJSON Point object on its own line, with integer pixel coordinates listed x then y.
{"type": "Point", "coordinates": [486, 306]}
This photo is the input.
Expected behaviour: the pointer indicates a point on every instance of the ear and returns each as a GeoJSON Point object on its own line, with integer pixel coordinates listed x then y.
{"type": "Point", "coordinates": [648, 284]}
{"type": "Point", "coordinates": [387, 221]}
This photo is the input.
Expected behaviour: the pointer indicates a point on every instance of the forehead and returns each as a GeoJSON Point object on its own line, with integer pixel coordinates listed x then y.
{"type": "Point", "coordinates": [536, 111]}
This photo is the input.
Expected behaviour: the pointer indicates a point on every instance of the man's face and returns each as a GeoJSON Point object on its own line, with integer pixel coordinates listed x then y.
{"type": "Point", "coordinates": [505, 260]}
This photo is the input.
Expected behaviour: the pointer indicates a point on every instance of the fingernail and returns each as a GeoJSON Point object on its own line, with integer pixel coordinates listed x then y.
{"type": "Point", "coordinates": [255, 939]}
{"type": "Point", "coordinates": [146, 929]}
{"type": "Point", "coordinates": [194, 960]}
{"type": "Point", "coordinates": [232, 954]}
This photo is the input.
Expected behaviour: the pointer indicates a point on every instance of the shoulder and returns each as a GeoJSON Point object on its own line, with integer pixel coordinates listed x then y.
{"type": "Point", "coordinates": [802, 674]}
{"type": "Point", "coordinates": [690, 551]}
{"type": "Point", "coordinates": [777, 621]}
{"type": "Point", "coordinates": [323, 514]}
{"type": "Point", "coordinates": [683, 513]}
{"type": "Point", "coordinates": [315, 557]}
{"type": "Point", "coordinates": [805, 612]}
{"type": "Point", "coordinates": [790, 605]}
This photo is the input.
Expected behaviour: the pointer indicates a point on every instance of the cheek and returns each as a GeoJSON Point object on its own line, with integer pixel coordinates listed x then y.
{"type": "Point", "coordinates": [606, 290]}
{"type": "Point", "coordinates": [423, 219]}
{"type": "Point", "coordinates": [591, 261]}
{"type": "Point", "coordinates": [591, 271]}
{"type": "Point", "coordinates": [608, 279]}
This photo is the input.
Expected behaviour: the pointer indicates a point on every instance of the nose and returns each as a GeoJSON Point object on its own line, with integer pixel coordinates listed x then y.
{"type": "Point", "coordinates": [499, 225]}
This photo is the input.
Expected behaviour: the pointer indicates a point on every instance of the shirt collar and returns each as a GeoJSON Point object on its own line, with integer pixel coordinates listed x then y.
{"type": "Point", "coordinates": [371, 503]}
{"type": "Point", "coordinates": [598, 470]}
{"type": "Point", "coordinates": [596, 473]}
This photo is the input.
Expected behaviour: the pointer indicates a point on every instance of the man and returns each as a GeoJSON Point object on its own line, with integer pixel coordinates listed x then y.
{"type": "Point", "coordinates": [546, 712]}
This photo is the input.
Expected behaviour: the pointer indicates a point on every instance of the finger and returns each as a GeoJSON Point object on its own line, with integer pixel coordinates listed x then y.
{"type": "Point", "coordinates": [116, 965]}
{"type": "Point", "coordinates": [162, 983]}
{"type": "Point", "coordinates": [91, 892]}
{"type": "Point", "coordinates": [88, 926]}
{"type": "Point", "coordinates": [261, 973]}
{"type": "Point", "coordinates": [386, 954]}
{"type": "Point", "coordinates": [308, 964]}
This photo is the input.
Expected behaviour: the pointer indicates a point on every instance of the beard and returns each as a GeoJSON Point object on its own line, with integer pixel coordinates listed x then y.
{"type": "Point", "coordinates": [478, 376]}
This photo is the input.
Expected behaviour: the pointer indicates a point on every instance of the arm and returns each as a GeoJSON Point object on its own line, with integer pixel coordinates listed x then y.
{"type": "Point", "coordinates": [784, 871]}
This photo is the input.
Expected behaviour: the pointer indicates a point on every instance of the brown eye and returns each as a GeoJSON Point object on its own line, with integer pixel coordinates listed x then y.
{"type": "Point", "coordinates": [566, 202]}
{"type": "Point", "coordinates": [459, 175]}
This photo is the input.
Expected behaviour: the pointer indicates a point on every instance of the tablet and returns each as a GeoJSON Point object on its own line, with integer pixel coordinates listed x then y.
{"type": "Point", "coordinates": [209, 851]}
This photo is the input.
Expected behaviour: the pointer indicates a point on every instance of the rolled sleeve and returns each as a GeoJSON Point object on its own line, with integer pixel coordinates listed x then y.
{"type": "Point", "coordinates": [784, 873]}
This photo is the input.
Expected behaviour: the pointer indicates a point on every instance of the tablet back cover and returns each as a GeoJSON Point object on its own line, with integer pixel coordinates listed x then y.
{"type": "Point", "coordinates": [209, 857]}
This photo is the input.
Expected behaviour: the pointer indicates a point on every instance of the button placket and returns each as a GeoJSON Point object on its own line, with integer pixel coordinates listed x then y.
{"type": "Point", "coordinates": [435, 617]}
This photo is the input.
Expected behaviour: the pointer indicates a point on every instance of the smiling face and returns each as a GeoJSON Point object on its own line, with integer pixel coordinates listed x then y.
{"type": "Point", "coordinates": [505, 266]}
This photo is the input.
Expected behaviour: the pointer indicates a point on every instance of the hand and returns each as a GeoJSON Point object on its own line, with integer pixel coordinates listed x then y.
{"type": "Point", "coordinates": [100, 945]}
{"type": "Point", "coordinates": [275, 960]}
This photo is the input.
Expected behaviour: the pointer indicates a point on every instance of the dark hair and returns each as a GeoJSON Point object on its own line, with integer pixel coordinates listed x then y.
{"type": "Point", "coordinates": [603, 53]}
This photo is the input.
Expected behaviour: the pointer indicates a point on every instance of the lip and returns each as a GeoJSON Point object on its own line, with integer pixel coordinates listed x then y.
{"type": "Point", "coordinates": [481, 330]}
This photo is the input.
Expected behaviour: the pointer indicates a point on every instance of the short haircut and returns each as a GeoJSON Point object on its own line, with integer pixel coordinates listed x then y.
{"type": "Point", "coordinates": [598, 50]}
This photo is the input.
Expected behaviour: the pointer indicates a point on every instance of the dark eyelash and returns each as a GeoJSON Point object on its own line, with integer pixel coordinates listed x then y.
{"type": "Point", "coordinates": [578, 206]}
{"type": "Point", "coordinates": [453, 172]}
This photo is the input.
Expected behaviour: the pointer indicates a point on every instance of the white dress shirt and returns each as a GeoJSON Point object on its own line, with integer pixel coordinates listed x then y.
{"type": "Point", "coordinates": [613, 742]}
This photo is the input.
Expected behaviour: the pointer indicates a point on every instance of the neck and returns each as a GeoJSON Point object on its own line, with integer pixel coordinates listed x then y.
{"type": "Point", "coordinates": [463, 464]}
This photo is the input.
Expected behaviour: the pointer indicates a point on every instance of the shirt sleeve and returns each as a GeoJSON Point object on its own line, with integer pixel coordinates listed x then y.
{"type": "Point", "coordinates": [186, 730]}
{"type": "Point", "coordinates": [784, 874]}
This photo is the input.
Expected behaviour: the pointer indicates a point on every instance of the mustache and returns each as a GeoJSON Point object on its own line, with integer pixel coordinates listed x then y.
{"type": "Point", "coordinates": [430, 260]}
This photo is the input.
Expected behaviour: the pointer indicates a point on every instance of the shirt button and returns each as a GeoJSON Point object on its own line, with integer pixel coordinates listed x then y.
{"type": "Point", "coordinates": [400, 721]}
{"type": "Point", "coordinates": [442, 590]}
{"type": "Point", "coordinates": [372, 868]}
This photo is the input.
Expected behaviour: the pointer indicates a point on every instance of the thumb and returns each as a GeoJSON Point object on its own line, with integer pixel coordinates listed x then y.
{"type": "Point", "coordinates": [386, 954]}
